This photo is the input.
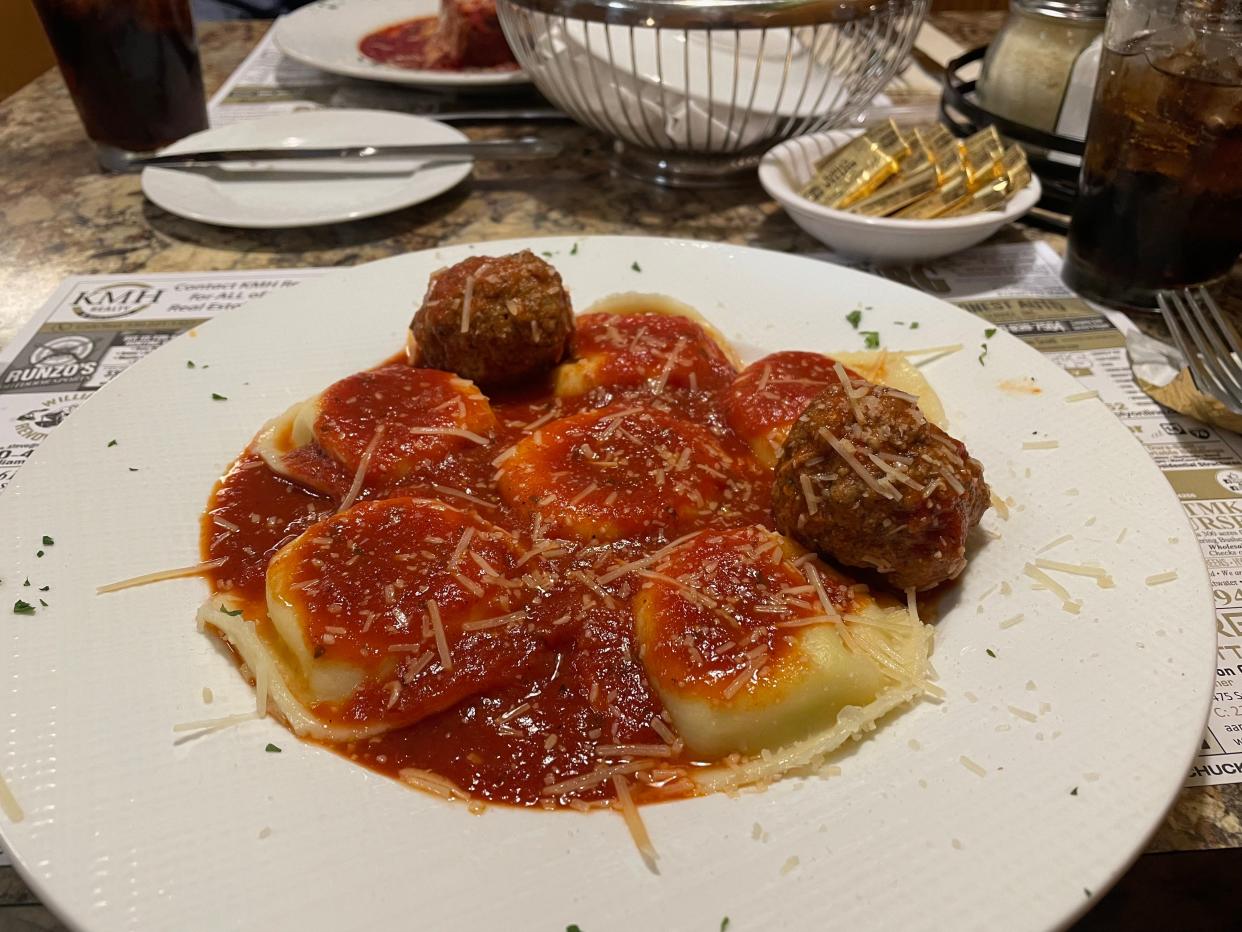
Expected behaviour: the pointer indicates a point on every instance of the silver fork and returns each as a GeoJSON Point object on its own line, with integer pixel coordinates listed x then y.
{"type": "Point", "coordinates": [1208, 340]}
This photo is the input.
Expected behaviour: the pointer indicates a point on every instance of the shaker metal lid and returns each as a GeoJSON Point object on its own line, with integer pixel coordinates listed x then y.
{"type": "Point", "coordinates": [1065, 9]}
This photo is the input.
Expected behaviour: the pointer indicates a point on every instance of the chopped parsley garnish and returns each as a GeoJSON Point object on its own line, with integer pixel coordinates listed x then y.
{"type": "Point", "coordinates": [1086, 893]}
{"type": "Point", "coordinates": [724, 924]}
{"type": "Point", "coordinates": [39, 553]}
{"type": "Point", "coordinates": [990, 652]}
{"type": "Point", "coordinates": [41, 588]}
{"type": "Point", "coordinates": [216, 396]}
{"type": "Point", "coordinates": [189, 364]}
{"type": "Point", "coordinates": [914, 325]}
{"type": "Point", "coordinates": [44, 604]}
{"type": "Point", "coordinates": [234, 613]}
{"type": "Point", "coordinates": [111, 443]}
{"type": "Point", "coordinates": [27, 582]}
{"type": "Point", "coordinates": [1074, 791]}
{"type": "Point", "coordinates": [572, 927]}
{"type": "Point", "coordinates": [23, 608]}
{"type": "Point", "coordinates": [272, 749]}
{"type": "Point", "coordinates": [574, 251]}
{"type": "Point", "coordinates": [549, 254]}
{"type": "Point", "coordinates": [47, 541]}
{"type": "Point", "coordinates": [133, 469]}
{"type": "Point", "coordinates": [855, 318]}
{"type": "Point", "coordinates": [636, 267]}
{"type": "Point", "coordinates": [989, 333]}
{"type": "Point", "coordinates": [983, 347]}
{"type": "Point", "coordinates": [871, 338]}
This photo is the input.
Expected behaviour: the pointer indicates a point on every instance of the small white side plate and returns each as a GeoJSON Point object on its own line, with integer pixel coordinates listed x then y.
{"type": "Point", "coordinates": [326, 34]}
{"type": "Point", "coordinates": [305, 193]}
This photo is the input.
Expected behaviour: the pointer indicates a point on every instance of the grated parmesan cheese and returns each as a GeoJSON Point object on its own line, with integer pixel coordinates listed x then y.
{"type": "Point", "coordinates": [8, 802]}
{"type": "Point", "coordinates": [216, 724]}
{"type": "Point", "coordinates": [466, 300]}
{"type": "Point", "coordinates": [179, 573]}
{"type": "Point", "coordinates": [364, 464]}
{"type": "Point", "coordinates": [1161, 578]}
{"type": "Point", "coordinates": [634, 822]}
{"type": "Point", "coordinates": [1023, 714]}
{"type": "Point", "coordinates": [1002, 508]}
{"type": "Point", "coordinates": [972, 766]}
{"type": "Point", "coordinates": [437, 627]}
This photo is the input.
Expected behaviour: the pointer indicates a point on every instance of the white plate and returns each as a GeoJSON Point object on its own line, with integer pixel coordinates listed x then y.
{"type": "Point", "coordinates": [127, 829]}
{"type": "Point", "coordinates": [326, 34]}
{"type": "Point", "coordinates": [315, 191]}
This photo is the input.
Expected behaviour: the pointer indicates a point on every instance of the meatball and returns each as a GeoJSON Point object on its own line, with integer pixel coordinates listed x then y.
{"type": "Point", "coordinates": [495, 321]}
{"type": "Point", "coordinates": [867, 480]}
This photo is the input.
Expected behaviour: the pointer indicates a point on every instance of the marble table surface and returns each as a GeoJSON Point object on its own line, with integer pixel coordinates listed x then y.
{"type": "Point", "coordinates": [61, 217]}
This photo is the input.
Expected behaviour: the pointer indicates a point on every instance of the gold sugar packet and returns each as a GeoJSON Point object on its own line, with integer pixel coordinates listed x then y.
{"type": "Point", "coordinates": [939, 145]}
{"type": "Point", "coordinates": [986, 198]}
{"type": "Point", "coordinates": [898, 192]}
{"type": "Point", "coordinates": [1017, 169]}
{"type": "Point", "coordinates": [855, 170]}
{"type": "Point", "coordinates": [938, 201]}
{"type": "Point", "coordinates": [978, 155]}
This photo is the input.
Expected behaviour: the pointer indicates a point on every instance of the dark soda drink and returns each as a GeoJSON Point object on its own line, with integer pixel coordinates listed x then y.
{"type": "Point", "coordinates": [1160, 194]}
{"type": "Point", "coordinates": [132, 68]}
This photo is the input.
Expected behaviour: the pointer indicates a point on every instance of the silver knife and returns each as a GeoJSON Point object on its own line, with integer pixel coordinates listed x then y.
{"type": "Point", "coordinates": [527, 147]}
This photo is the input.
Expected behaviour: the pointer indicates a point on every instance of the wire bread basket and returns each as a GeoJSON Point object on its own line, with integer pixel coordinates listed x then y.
{"type": "Point", "coordinates": [693, 92]}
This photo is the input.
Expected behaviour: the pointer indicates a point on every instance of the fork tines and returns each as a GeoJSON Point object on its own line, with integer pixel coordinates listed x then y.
{"type": "Point", "coordinates": [1208, 340]}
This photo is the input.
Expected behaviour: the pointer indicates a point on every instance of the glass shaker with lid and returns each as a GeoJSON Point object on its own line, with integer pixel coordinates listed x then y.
{"type": "Point", "coordinates": [1040, 69]}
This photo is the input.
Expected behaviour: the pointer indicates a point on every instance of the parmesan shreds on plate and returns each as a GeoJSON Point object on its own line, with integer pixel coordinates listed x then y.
{"type": "Point", "coordinates": [1082, 396]}
{"type": "Point", "coordinates": [467, 295]}
{"type": "Point", "coordinates": [1023, 714]}
{"type": "Point", "coordinates": [8, 802]}
{"type": "Point", "coordinates": [437, 627]}
{"type": "Point", "coordinates": [1161, 578]}
{"type": "Point", "coordinates": [634, 821]}
{"type": "Point", "coordinates": [586, 781]}
{"type": "Point", "coordinates": [447, 432]}
{"type": "Point", "coordinates": [1101, 576]}
{"type": "Point", "coordinates": [633, 750]}
{"type": "Point", "coordinates": [433, 783]}
{"type": "Point", "coordinates": [970, 765]}
{"type": "Point", "coordinates": [485, 624]}
{"type": "Point", "coordinates": [1056, 543]}
{"type": "Point", "coordinates": [1040, 444]}
{"type": "Point", "coordinates": [667, 369]}
{"type": "Point", "coordinates": [364, 463]}
{"type": "Point", "coordinates": [460, 549]}
{"type": "Point", "coordinates": [216, 724]}
{"type": "Point", "coordinates": [181, 572]}
{"type": "Point", "coordinates": [931, 353]}
{"type": "Point", "coordinates": [1002, 508]}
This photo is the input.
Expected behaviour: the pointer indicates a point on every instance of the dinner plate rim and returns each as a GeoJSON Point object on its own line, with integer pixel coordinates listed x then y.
{"type": "Point", "coordinates": [1195, 579]}
{"type": "Point", "coordinates": [456, 80]}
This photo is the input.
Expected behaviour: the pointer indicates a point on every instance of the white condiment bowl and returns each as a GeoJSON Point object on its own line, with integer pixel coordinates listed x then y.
{"type": "Point", "coordinates": [886, 240]}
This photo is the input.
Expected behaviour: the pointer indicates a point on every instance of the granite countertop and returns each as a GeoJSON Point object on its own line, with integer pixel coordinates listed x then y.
{"type": "Point", "coordinates": [62, 217]}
